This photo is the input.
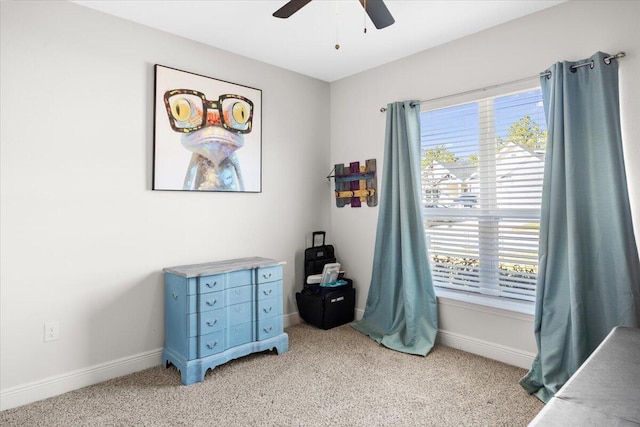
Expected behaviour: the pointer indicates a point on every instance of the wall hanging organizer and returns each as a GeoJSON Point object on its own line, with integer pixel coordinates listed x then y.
{"type": "Point", "coordinates": [355, 184]}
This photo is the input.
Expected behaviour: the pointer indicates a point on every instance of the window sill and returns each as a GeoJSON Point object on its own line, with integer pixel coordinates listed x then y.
{"type": "Point", "coordinates": [522, 307]}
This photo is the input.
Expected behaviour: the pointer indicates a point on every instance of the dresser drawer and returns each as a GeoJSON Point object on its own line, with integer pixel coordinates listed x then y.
{"type": "Point", "coordinates": [211, 321]}
{"type": "Point", "coordinates": [269, 290]}
{"type": "Point", "coordinates": [176, 294]}
{"type": "Point", "coordinates": [210, 344]}
{"type": "Point", "coordinates": [240, 313]}
{"type": "Point", "coordinates": [240, 334]}
{"type": "Point", "coordinates": [269, 307]}
{"type": "Point", "coordinates": [238, 294]}
{"type": "Point", "coordinates": [269, 274]}
{"type": "Point", "coordinates": [177, 300]}
{"type": "Point", "coordinates": [239, 278]}
{"type": "Point", "coordinates": [176, 321]}
{"type": "Point", "coordinates": [269, 328]}
{"type": "Point", "coordinates": [211, 283]}
{"type": "Point", "coordinates": [210, 301]}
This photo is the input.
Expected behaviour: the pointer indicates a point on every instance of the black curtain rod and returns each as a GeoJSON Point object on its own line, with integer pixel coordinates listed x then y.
{"type": "Point", "coordinates": [607, 60]}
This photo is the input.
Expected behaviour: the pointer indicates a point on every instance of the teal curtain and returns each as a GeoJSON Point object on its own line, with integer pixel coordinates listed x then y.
{"type": "Point", "coordinates": [589, 273]}
{"type": "Point", "coordinates": [401, 311]}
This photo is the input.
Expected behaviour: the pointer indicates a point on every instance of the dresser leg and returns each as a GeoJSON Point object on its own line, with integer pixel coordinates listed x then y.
{"type": "Point", "coordinates": [183, 377]}
{"type": "Point", "coordinates": [282, 346]}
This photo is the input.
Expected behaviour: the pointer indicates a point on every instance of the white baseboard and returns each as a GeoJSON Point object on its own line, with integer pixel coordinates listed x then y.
{"type": "Point", "coordinates": [56, 385]}
{"type": "Point", "coordinates": [501, 353]}
{"type": "Point", "coordinates": [291, 319]}
{"type": "Point", "coordinates": [59, 384]}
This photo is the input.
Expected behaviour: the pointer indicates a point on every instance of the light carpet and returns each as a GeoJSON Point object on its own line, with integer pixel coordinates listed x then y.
{"type": "Point", "coordinates": [337, 377]}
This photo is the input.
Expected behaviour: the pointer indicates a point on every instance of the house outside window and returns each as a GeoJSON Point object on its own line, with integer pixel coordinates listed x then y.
{"type": "Point", "coordinates": [481, 179]}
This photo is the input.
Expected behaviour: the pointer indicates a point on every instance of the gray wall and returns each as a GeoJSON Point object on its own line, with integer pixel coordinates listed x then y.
{"type": "Point", "coordinates": [512, 51]}
{"type": "Point", "coordinates": [84, 239]}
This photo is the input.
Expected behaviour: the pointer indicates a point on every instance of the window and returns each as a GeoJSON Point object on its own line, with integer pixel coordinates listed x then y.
{"type": "Point", "coordinates": [482, 170]}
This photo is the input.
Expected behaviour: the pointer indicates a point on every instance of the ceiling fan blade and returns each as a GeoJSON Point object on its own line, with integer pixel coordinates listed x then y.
{"type": "Point", "coordinates": [378, 12]}
{"type": "Point", "coordinates": [290, 8]}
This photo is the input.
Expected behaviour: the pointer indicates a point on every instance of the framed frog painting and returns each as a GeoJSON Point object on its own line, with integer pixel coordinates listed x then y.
{"type": "Point", "coordinates": [207, 134]}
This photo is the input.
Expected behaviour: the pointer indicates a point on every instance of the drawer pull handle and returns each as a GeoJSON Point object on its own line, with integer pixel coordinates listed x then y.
{"type": "Point", "coordinates": [267, 309]}
{"type": "Point", "coordinates": [238, 291]}
{"type": "Point", "coordinates": [212, 322]}
{"type": "Point", "coordinates": [267, 291]}
{"type": "Point", "coordinates": [211, 285]}
{"type": "Point", "coordinates": [174, 295]}
{"type": "Point", "coordinates": [266, 275]}
{"type": "Point", "coordinates": [238, 309]}
{"type": "Point", "coordinates": [212, 344]}
{"type": "Point", "coordinates": [267, 330]}
{"type": "Point", "coordinates": [212, 302]}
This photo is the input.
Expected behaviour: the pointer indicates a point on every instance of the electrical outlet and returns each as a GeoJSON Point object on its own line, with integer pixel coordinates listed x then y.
{"type": "Point", "coordinates": [51, 330]}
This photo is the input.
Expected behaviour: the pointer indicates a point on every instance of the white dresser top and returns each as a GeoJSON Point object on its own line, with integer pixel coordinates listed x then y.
{"type": "Point", "coordinates": [218, 267]}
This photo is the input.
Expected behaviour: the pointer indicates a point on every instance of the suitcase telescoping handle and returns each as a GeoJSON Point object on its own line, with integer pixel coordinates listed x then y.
{"type": "Point", "coordinates": [313, 238]}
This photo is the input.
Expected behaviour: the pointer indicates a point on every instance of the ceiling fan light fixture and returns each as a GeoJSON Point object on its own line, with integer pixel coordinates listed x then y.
{"type": "Point", "coordinates": [290, 8]}
{"type": "Point", "coordinates": [376, 9]}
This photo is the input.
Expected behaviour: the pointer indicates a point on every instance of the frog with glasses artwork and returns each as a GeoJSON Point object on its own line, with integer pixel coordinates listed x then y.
{"type": "Point", "coordinates": [212, 127]}
{"type": "Point", "coordinates": [212, 131]}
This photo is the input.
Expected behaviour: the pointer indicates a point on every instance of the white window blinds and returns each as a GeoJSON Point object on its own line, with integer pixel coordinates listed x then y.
{"type": "Point", "coordinates": [482, 169]}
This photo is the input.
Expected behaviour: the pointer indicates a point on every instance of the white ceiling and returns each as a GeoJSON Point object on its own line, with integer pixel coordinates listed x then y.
{"type": "Point", "coordinates": [305, 42]}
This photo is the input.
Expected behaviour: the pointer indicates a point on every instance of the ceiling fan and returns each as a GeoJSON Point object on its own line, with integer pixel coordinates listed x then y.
{"type": "Point", "coordinates": [376, 9]}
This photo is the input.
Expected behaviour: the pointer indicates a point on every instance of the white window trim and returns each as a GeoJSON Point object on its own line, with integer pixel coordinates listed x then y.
{"type": "Point", "coordinates": [500, 303]}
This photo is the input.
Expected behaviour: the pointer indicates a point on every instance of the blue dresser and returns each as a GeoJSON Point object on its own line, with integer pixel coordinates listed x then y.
{"type": "Point", "coordinates": [220, 311]}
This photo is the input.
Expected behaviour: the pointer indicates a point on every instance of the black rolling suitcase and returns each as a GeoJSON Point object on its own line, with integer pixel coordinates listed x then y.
{"type": "Point", "coordinates": [324, 307]}
{"type": "Point", "coordinates": [316, 257]}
